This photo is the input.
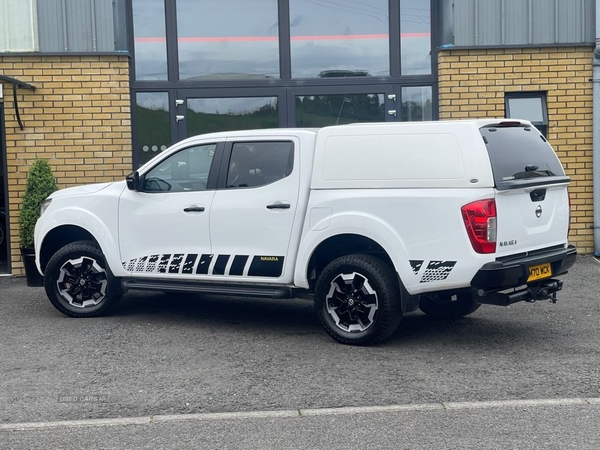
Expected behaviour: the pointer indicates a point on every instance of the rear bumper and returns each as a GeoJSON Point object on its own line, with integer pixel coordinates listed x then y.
{"type": "Point", "coordinates": [505, 282]}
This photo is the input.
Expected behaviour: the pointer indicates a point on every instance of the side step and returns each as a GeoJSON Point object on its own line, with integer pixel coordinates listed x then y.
{"type": "Point", "coordinates": [545, 290]}
{"type": "Point", "coordinates": [209, 288]}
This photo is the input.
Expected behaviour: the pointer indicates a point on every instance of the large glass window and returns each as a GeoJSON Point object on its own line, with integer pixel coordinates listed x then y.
{"type": "Point", "coordinates": [325, 110]}
{"type": "Point", "coordinates": [415, 38]}
{"type": "Point", "coordinates": [227, 39]}
{"type": "Point", "coordinates": [339, 38]}
{"type": "Point", "coordinates": [205, 115]}
{"type": "Point", "coordinates": [150, 39]}
{"type": "Point", "coordinates": [153, 125]}
{"type": "Point", "coordinates": [417, 103]}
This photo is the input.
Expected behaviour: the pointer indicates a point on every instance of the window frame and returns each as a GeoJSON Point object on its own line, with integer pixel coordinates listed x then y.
{"type": "Point", "coordinates": [228, 152]}
{"type": "Point", "coordinates": [541, 126]}
{"type": "Point", "coordinates": [213, 173]}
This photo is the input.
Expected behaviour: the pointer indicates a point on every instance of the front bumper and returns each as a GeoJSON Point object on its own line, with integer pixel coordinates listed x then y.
{"type": "Point", "coordinates": [511, 274]}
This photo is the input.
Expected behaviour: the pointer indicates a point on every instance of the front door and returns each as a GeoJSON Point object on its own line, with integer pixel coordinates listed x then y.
{"type": "Point", "coordinates": [164, 228]}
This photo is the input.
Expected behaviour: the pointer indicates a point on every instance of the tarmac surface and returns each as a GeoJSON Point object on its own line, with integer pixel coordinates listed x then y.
{"type": "Point", "coordinates": [208, 363]}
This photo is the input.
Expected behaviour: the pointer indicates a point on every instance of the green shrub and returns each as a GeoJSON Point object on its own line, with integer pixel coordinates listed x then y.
{"type": "Point", "coordinates": [40, 184]}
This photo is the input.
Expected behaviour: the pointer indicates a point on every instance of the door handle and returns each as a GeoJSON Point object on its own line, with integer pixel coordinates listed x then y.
{"type": "Point", "coordinates": [278, 205]}
{"type": "Point", "coordinates": [193, 208]}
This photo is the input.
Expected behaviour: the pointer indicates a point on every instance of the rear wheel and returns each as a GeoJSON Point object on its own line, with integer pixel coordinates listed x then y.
{"type": "Point", "coordinates": [357, 300]}
{"type": "Point", "coordinates": [448, 306]}
{"type": "Point", "coordinates": [78, 281]}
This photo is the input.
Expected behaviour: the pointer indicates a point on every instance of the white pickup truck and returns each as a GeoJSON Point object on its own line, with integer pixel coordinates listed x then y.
{"type": "Point", "coordinates": [370, 220]}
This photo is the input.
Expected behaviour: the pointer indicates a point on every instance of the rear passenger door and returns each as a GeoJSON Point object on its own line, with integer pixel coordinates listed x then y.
{"type": "Point", "coordinates": [253, 210]}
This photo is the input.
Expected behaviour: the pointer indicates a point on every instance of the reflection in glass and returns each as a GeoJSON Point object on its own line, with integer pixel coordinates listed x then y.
{"type": "Point", "coordinates": [153, 125]}
{"type": "Point", "coordinates": [227, 39]}
{"type": "Point", "coordinates": [529, 108]}
{"type": "Point", "coordinates": [185, 171]}
{"type": "Point", "coordinates": [149, 40]}
{"type": "Point", "coordinates": [325, 110]}
{"type": "Point", "coordinates": [415, 40]}
{"type": "Point", "coordinates": [206, 115]}
{"type": "Point", "coordinates": [417, 103]}
{"type": "Point", "coordinates": [339, 38]}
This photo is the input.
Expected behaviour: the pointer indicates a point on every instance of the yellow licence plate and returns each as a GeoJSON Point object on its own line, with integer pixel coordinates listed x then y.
{"type": "Point", "coordinates": [540, 271]}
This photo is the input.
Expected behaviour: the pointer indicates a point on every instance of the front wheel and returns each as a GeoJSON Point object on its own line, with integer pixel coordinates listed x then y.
{"type": "Point", "coordinates": [357, 300]}
{"type": "Point", "coordinates": [448, 306]}
{"type": "Point", "coordinates": [78, 281]}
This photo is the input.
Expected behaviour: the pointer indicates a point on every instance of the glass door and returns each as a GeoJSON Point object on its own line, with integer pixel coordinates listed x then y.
{"type": "Point", "coordinates": [321, 106]}
{"type": "Point", "coordinates": [200, 111]}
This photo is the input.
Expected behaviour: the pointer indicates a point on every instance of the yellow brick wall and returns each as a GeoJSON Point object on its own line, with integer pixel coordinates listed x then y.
{"type": "Point", "coordinates": [472, 84]}
{"type": "Point", "coordinates": [78, 118]}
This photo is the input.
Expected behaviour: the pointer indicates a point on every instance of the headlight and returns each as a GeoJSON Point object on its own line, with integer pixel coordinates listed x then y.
{"type": "Point", "coordinates": [45, 205]}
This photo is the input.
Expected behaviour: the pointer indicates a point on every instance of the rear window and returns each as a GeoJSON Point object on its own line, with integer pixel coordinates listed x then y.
{"type": "Point", "coordinates": [520, 155]}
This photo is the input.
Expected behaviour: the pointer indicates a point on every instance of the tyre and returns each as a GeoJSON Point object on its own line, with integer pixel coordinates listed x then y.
{"type": "Point", "coordinates": [357, 300]}
{"type": "Point", "coordinates": [448, 306]}
{"type": "Point", "coordinates": [78, 281]}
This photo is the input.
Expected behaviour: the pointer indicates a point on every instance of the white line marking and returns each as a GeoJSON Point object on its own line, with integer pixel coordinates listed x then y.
{"type": "Point", "coordinates": [299, 413]}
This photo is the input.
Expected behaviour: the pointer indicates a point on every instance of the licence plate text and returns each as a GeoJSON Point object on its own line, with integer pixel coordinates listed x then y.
{"type": "Point", "coordinates": [540, 271]}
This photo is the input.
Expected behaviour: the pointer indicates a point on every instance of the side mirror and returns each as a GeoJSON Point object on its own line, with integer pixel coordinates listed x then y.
{"type": "Point", "coordinates": [133, 181]}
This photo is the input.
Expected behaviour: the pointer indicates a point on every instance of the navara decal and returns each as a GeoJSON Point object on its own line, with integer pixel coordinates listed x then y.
{"type": "Point", "coordinates": [437, 271]}
{"type": "Point", "coordinates": [226, 265]}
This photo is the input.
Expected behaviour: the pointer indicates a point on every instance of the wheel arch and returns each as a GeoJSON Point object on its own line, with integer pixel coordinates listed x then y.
{"type": "Point", "coordinates": [60, 236]}
{"type": "Point", "coordinates": [341, 245]}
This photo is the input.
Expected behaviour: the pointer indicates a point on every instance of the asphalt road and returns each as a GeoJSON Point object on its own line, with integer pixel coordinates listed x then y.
{"type": "Point", "coordinates": [164, 354]}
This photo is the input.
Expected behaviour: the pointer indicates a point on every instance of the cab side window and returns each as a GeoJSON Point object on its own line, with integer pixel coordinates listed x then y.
{"type": "Point", "coordinates": [186, 170]}
{"type": "Point", "coordinates": [255, 164]}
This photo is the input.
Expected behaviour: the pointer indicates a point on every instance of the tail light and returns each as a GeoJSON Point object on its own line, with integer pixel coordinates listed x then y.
{"type": "Point", "coordinates": [480, 221]}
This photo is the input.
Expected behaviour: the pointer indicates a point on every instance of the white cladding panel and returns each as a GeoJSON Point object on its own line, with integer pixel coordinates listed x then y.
{"type": "Point", "coordinates": [392, 157]}
{"type": "Point", "coordinates": [19, 26]}
{"type": "Point", "coordinates": [467, 23]}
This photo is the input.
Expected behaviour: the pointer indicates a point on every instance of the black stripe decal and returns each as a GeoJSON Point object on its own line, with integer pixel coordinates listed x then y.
{"type": "Point", "coordinates": [220, 265]}
{"type": "Point", "coordinates": [152, 263]}
{"type": "Point", "coordinates": [162, 265]}
{"type": "Point", "coordinates": [266, 266]}
{"type": "Point", "coordinates": [140, 264]}
{"type": "Point", "coordinates": [203, 265]}
{"type": "Point", "coordinates": [437, 271]}
{"type": "Point", "coordinates": [237, 267]}
{"type": "Point", "coordinates": [176, 263]}
{"type": "Point", "coordinates": [188, 265]}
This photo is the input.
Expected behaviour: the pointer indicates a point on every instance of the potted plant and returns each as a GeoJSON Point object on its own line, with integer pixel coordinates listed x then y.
{"type": "Point", "coordinates": [40, 184]}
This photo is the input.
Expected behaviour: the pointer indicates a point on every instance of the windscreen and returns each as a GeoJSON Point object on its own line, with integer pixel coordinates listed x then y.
{"type": "Point", "coordinates": [519, 153]}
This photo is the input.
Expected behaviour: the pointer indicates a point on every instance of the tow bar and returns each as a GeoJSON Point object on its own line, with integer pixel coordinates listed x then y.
{"type": "Point", "coordinates": [544, 290]}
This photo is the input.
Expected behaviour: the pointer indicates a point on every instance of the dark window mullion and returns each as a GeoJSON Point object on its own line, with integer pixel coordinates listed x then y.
{"type": "Point", "coordinates": [285, 65]}
{"type": "Point", "coordinates": [172, 45]}
{"type": "Point", "coordinates": [435, 32]}
{"type": "Point", "coordinates": [394, 26]}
